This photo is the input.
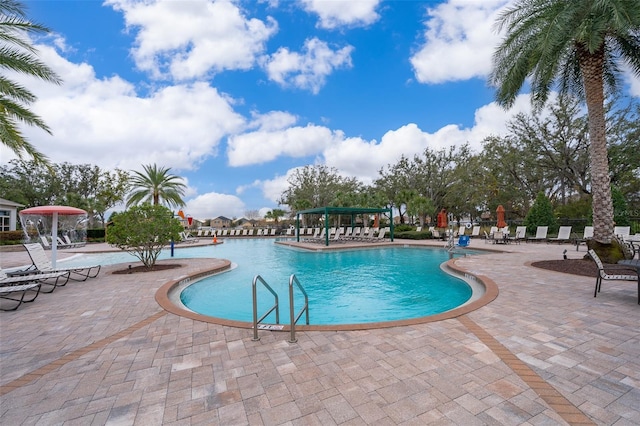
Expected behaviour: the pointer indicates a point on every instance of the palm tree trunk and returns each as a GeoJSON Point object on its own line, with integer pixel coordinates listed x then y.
{"type": "Point", "coordinates": [591, 65]}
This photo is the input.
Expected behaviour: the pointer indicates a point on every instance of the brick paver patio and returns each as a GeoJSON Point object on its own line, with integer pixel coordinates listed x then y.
{"type": "Point", "coordinates": [544, 352]}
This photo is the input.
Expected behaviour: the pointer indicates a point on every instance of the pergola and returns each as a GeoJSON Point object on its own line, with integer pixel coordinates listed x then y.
{"type": "Point", "coordinates": [352, 211]}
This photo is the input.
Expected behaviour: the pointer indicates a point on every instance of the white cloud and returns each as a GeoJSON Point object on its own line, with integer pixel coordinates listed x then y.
{"type": "Point", "coordinates": [633, 81]}
{"type": "Point", "coordinates": [363, 159]}
{"type": "Point", "coordinates": [212, 205]}
{"type": "Point", "coordinates": [273, 120]}
{"type": "Point", "coordinates": [349, 13]}
{"type": "Point", "coordinates": [272, 189]}
{"type": "Point", "coordinates": [104, 121]}
{"type": "Point", "coordinates": [459, 41]}
{"type": "Point", "coordinates": [263, 146]}
{"type": "Point", "coordinates": [186, 40]}
{"type": "Point", "coordinates": [307, 70]}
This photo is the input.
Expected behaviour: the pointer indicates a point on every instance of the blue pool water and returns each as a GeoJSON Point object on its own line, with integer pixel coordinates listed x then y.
{"type": "Point", "coordinates": [345, 287]}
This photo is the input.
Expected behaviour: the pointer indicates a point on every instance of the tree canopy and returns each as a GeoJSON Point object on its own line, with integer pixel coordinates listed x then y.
{"type": "Point", "coordinates": [576, 47]}
{"type": "Point", "coordinates": [157, 186]}
{"type": "Point", "coordinates": [17, 54]}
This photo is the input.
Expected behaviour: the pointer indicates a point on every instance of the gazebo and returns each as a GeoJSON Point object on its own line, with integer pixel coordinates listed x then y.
{"type": "Point", "coordinates": [351, 211]}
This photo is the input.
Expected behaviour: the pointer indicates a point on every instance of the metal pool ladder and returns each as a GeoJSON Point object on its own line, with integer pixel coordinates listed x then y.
{"type": "Point", "coordinates": [305, 308]}
{"type": "Point", "coordinates": [275, 307]}
{"type": "Point", "coordinates": [294, 319]}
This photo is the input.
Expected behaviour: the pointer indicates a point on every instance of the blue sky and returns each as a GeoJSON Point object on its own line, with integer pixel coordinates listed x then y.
{"type": "Point", "coordinates": [234, 95]}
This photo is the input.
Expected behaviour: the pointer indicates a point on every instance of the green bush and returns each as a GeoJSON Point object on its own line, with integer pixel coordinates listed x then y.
{"type": "Point", "coordinates": [403, 227]}
{"type": "Point", "coordinates": [8, 238]}
{"type": "Point", "coordinates": [143, 231]}
{"type": "Point", "coordinates": [413, 235]}
{"type": "Point", "coordinates": [541, 214]}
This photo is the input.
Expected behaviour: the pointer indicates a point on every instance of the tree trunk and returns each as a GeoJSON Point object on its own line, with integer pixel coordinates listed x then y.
{"type": "Point", "coordinates": [591, 65]}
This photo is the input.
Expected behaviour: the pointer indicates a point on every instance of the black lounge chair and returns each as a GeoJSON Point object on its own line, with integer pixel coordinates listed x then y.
{"type": "Point", "coordinates": [613, 272]}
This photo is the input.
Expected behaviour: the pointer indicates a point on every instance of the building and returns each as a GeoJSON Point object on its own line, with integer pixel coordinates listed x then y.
{"type": "Point", "coordinates": [8, 215]}
{"type": "Point", "coordinates": [220, 222]}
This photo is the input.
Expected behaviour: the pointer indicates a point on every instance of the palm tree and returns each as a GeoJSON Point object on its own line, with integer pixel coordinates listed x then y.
{"type": "Point", "coordinates": [578, 47]}
{"type": "Point", "coordinates": [156, 184]}
{"type": "Point", "coordinates": [18, 55]}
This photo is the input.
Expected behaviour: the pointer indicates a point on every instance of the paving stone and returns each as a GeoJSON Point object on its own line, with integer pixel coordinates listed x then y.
{"type": "Point", "coordinates": [542, 352]}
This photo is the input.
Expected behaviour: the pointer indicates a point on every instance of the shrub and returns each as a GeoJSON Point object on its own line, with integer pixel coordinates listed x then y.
{"type": "Point", "coordinates": [143, 230]}
{"type": "Point", "coordinates": [403, 227]}
{"type": "Point", "coordinates": [541, 214]}
{"type": "Point", "coordinates": [11, 237]}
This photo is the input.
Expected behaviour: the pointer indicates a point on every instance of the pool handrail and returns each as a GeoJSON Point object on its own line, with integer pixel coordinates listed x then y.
{"type": "Point", "coordinates": [294, 319]}
{"type": "Point", "coordinates": [276, 306]}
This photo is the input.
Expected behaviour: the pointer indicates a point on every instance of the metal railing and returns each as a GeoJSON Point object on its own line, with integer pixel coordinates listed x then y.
{"type": "Point", "coordinates": [275, 307]}
{"type": "Point", "coordinates": [305, 308]}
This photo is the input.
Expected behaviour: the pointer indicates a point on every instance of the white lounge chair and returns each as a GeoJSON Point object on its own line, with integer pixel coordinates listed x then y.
{"type": "Point", "coordinates": [42, 264]}
{"type": "Point", "coordinates": [73, 244]}
{"type": "Point", "coordinates": [475, 232]}
{"type": "Point", "coordinates": [521, 234]}
{"type": "Point", "coordinates": [25, 277]}
{"type": "Point", "coordinates": [541, 234]}
{"type": "Point", "coordinates": [564, 235]}
{"type": "Point", "coordinates": [186, 238]}
{"type": "Point", "coordinates": [622, 232]}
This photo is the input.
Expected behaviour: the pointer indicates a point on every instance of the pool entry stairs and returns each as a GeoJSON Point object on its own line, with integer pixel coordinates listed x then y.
{"type": "Point", "coordinates": [276, 306]}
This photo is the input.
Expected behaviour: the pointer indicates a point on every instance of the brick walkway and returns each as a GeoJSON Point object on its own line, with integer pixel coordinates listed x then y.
{"type": "Point", "coordinates": [544, 352]}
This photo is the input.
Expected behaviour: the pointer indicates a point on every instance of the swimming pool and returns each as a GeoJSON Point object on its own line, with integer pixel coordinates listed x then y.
{"type": "Point", "coordinates": [344, 287]}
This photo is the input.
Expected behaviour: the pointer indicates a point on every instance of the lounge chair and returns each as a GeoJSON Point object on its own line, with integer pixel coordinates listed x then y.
{"type": "Point", "coordinates": [52, 279]}
{"type": "Point", "coordinates": [541, 234]}
{"type": "Point", "coordinates": [186, 238]}
{"type": "Point", "coordinates": [587, 235]}
{"type": "Point", "coordinates": [381, 235]}
{"type": "Point", "coordinates": [45, 242]}
{"type": "Point", "coordinates": [475, 232]}
{"type": "Point", "coordinates": [613, 272]}
{"type": "Point", "coordinates": [499, 237]}
{"type": "Point", "coordinates": [61, 244]}
{"type": "Point", "coordinates": [622, 232]}
{"type": "Point", "coordinates": [369, 236]}
{"type": "Point", "coordinates": [520, 234]}
{"type": "Point", "coordinates": [71, 244]}
{"type": "Point", "coordinates": [564, 235]}
{"type": "Point", "coordinates": [7, 292]}
{"type": "Point", "coordinates": [42, 264]}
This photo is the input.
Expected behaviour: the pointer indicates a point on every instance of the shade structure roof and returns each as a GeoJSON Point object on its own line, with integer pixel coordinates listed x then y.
{"type": "Point", "coordinates": [326, 211]}
{"type": "Point", "coordinates": [344, 210]}
{"type": "Point", "coordinates": [50, 210]}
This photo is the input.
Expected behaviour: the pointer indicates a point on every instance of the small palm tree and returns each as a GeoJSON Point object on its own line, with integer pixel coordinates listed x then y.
{"type": "Point", "coordinates": [578, 46]}
{"type": "Point", "coordinates": [154, 185]}
{"type": "Point", "coordinates": [18, 55]}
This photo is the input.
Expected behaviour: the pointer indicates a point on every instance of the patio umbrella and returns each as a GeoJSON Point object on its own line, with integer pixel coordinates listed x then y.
{"type": "Point", "coordinates": [54, 212]}
{"type": "Point", "coordinates": [500, 213]}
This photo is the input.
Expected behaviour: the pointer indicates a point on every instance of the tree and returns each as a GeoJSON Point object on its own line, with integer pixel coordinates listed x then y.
{"type": "Point", "coordinates": [420, 206]}
{"type": "Point", "coordinates": [18, 55]}
{"type": "Point", "coordinates": [579, 45]}
{"type": "Point", "coordinates": [540, 214]}
{"type": "Point", "coordinates": [315, 186]}
{"type": "Point", "coordinates": [143, 231]}
{"type": "Point", "coordinates": [78, 185]}
{"type": "Point", "coordinates": [275, 214]}
{"type": "Point", "coordinates": [156, 185]}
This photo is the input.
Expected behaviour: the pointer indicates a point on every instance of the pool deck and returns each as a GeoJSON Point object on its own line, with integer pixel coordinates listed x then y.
{"type": "Point", "coordinates": [544, 352]}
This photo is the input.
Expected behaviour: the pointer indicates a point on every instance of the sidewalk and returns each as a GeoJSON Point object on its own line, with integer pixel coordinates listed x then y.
{"type": "Point", "coordinates": [544, 352]}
